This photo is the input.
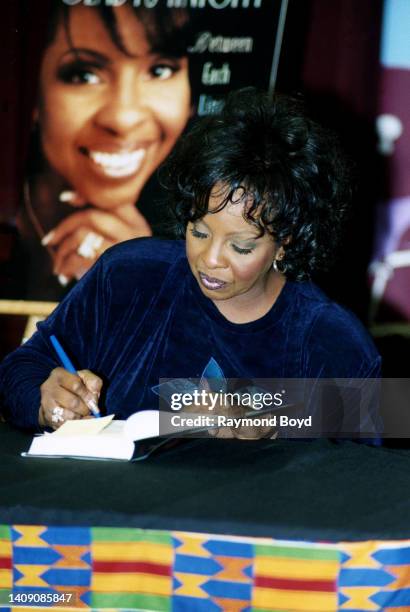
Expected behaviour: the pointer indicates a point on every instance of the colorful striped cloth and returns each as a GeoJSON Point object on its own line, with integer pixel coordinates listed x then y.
{"type": "Point", "coordinates": [115, 569]}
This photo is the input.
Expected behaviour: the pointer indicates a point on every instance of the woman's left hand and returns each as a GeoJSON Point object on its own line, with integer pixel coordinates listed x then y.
{"type": "Point", "coordinates": [242, 432]}
{"type": "Point", "coordinates": [80, 238]}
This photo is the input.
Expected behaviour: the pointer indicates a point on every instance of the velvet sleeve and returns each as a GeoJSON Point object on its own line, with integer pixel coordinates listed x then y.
{"type": "Point", "coordinates": [77, 322]}
{"type": "Point", "coordinates": [339, 348]}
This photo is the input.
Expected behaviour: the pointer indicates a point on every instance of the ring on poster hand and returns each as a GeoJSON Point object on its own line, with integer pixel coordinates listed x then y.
{"type": "Point", "coordinates": [90, 246]}
{"type": "Point", "coordinates": [57, 414]}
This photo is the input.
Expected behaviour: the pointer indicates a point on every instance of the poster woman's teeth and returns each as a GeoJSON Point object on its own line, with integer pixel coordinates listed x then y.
{"type": "Point", "coordinates": [118, 164]}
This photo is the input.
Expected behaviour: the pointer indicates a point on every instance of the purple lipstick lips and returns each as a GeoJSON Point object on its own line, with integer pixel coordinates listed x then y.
{"type": "Point", "coordinates": [211, 283]}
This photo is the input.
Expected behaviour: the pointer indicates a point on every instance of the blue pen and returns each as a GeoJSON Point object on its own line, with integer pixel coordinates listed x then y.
{"type": "Point", "coordinates": [66, 363]}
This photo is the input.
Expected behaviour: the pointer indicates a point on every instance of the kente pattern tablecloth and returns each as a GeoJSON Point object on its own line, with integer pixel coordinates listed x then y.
{"type": "Point", "coordinates": [158, 571]}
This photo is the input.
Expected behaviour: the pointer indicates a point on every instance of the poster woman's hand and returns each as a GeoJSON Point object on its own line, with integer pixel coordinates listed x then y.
{"type": "Point", "coordinates": [80, 238]}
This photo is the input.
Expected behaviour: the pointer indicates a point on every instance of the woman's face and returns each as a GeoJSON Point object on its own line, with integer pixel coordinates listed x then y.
{"type": "Point", "coordinates": [107, 119]}
{"type": "Point", "coordinates": [227, 257]}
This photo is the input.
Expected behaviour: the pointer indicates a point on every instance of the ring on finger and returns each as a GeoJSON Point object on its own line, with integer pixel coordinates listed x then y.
{"type": "Point", "coordinates": [57, 414]}
{"type": "Point", "coordinates": [90, 245]}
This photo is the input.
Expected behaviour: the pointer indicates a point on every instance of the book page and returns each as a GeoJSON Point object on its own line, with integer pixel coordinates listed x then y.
{"type": "Point", "coordinates": [142, 425]}
{"type": "Point", "coordinates": [104, 441]}
{"type": "Point", "coordinates": [83, 427]}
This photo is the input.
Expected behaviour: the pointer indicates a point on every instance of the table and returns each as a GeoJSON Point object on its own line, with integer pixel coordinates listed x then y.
{"type": "Point", "coordinates": [211, 525]}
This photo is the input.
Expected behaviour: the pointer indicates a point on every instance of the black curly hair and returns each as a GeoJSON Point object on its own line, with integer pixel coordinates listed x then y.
{"type": "Point", "coordinates": [293, 169]}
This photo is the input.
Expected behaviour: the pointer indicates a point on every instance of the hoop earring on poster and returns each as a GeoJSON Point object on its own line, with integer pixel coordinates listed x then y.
{"type": "Point", "coordinates": [31, 214]}
{"type": "Point", "coordinates": [35, 137]}
{"type": "Point", "coordinates": [63, 280]}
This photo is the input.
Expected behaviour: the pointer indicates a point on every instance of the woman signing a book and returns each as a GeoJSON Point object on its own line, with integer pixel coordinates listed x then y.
{"type": "Point", "coordinates": [259, 193]}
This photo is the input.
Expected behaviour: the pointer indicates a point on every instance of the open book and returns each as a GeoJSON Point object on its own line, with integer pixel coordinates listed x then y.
{"type": "Point", "coordinates": [101, 438]}
{"type": "Point", "coordinates": [105, 438]}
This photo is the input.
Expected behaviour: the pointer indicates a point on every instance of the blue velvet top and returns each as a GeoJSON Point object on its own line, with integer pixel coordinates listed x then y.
{"type": "Point", "coordinates": [139, 315]}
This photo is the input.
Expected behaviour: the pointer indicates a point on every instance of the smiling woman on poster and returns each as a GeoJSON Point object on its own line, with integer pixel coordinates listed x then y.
{"type": "Point", "coordinates": [114, 96]}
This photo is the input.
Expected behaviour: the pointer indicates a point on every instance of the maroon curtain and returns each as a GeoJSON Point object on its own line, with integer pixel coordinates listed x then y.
{"type": "Point", "coordinates": [23, 26]}
{"type": "Point", "coordinates": [342, 52]}
{"type": "Point", "coordinates": [330, 54]}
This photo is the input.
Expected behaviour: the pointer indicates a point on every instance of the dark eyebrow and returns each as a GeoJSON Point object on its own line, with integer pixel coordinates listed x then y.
{"type": "Point", "coordinates": [238, 234]}
{"type": "Point", "coordinates": [100, 57]}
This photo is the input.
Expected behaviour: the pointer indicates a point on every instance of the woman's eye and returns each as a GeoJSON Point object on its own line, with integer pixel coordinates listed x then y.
{"type": "Point", "coordinates": [79, 74]}
{"type": "Point", "coordinates": [197, 234]}
{"type": "Point", "coordinates": [241, 250]}
{"type": "Point", "coordinates": [163, 71]}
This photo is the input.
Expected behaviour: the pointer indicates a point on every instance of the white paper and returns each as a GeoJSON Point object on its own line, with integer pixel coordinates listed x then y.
{"type": "Point", "coordinates": [83, 427]}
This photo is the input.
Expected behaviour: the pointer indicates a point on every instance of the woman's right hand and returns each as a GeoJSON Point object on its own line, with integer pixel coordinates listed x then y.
{"type": "Point", "coordinates": [105, 228]}
{"type": "Point", "coordinates": [66, 396]}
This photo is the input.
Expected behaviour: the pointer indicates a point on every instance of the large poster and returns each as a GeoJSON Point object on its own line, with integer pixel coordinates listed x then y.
{"type": "Point", "coordinates": [98, 92]}
{"type": "Point", "coordinates": [390, 269]}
